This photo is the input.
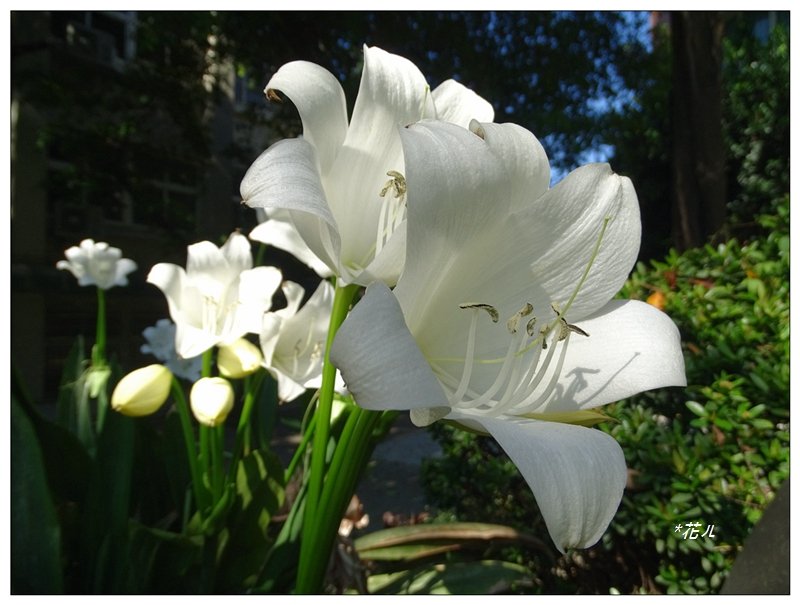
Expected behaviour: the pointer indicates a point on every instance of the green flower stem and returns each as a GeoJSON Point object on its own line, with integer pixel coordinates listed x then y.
{"type": "Point", "coordinates": [99, 349]}
{"type": "Point", "coordinates": [341, 304]}
{"type": "Point", "coordinates": [217, 435]}
{"type": "Point", "coordinates": [99, 359]}
{"type": "Point", "coordinates": [349, 460]}
{"type": "Point", "coordinates": [299, 452]}
{"type": "Point", "coordinates": [241, 446]}
{"type": "Point", "coordinates": [208, 359]}
{"type": "Point", "coordinates": [200, 494]}
{"type": "Point", "coordinates": [205, 455]}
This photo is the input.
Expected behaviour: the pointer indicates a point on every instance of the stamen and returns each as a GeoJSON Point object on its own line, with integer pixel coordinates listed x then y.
{"type": "Point", "coordinates": [514, 346]}
{"type": "Point", "coordinates": [592, 258]}
{"type": "Point", "coordinates": [468, 360]}
{"type": "Point", "coordinates": [392, 212]}
{"type": "Point", "coordinates": [530, 403]}
{"type": "Point", "coordinates": [488, 308]}
{"type": "Point", "coordinates": [513, 322]}
{"type": "Point", "coordinates": [519, 387]}
{"type": "Point", "coordinates": [529, 383]}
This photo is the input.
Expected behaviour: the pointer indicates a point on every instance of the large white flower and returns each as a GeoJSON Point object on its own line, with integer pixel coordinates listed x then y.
{"type": "Point", "coordinates": [219, 297]}
{"type": "Point", "coordinates": [342, 186]}
{"type": "Point", "coordinates": [97, 264]}
{"type": "Point", "coordinates": [503, 319]}
{"type": "Point", "coordinates": [293, 339]}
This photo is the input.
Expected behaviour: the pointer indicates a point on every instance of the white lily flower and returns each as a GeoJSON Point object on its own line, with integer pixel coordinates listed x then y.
{"type": "Point", "coordinates": [97, 263]}
{"type": "Point", "coordinates": [503, 317]}
{"type": "Point", "coordinates": [161, 345]}
{"type": "Point", "coordinates": [341, 186]}
{"type": "Point", "coordinates": [293, 339]}
{"type": "Point", "coordinates": [219, 297]}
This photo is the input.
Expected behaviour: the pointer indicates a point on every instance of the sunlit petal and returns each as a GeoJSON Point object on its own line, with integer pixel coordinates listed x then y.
{"type": "Point", "coordinates": [577, 475]}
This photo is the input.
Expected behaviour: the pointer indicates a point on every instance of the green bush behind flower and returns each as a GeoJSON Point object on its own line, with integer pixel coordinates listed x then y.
{"type": "Point", "coordinates": [714, 452]}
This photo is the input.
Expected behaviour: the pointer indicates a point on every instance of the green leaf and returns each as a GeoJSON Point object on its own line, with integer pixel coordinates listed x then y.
{"type": "Point", "coordinates": [165, 562]}
{"type": "Point", "coordinates": [259, 494]}
{"type": "Point", "coordinates": [411, 542]}
{"type": "Point", "coordinates": [696, 408]}
{"type": "Point", "coordinates": [105, 519]}
{"type": "Point", "coordinates": [478, 577]}
{"type": "Point", "coordinates": [35, 533]}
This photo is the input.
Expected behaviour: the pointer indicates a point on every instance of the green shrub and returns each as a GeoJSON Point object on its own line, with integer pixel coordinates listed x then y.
{"type": "Point", "coordinates": [713, 453]}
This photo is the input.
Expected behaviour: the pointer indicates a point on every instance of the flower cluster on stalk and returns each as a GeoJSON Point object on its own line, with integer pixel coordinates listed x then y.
{"type": "Point", "coordinates": [489, 295]}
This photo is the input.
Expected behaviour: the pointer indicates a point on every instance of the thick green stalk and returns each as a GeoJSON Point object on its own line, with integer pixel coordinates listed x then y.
{"type": "Point", "coordinates": [305, 582]}
{"type": "Point", "coordinates": [363, 429]}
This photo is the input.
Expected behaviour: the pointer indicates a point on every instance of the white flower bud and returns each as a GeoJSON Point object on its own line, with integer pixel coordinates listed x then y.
{"type": "Point", "coordinates": [239, 359]}
{"type": "Point", "coordinates": [211, 400]}
{"type": "Point", "coordinates": [143, 391]}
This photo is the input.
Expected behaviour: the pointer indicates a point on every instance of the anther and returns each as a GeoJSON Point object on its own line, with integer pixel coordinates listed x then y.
{"type": "Point", "coordinates": [397, 183]}
{"type": "Point", "coordinates": [577, 330]}
{"type": "Point", "coordinates": [488, 308]}
{"type": "Point", "coordinates": [513, 322]}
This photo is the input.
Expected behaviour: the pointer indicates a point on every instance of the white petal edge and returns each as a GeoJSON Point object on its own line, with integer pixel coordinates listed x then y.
{"type": "Point", "coordinates": [632, 347]}
{"type": "Point", "coordinates": [457, 104]}
{"type": "Point", "coordinates": [283, 235]}
{"type": "Point", "coordinates": [577, 475]}
{"type": "Point", "coordinates": [321, 103]}
{"type": "Point", "coordinates": [379, 360]}
{"type": "Point", "coordinates": [285, 177]}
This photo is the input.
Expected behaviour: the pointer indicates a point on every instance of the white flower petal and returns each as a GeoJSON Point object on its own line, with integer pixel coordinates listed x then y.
{"type": "Point", "coordinates": [577, 475]}
{"type": "Point", "coordinates": [124, 266]}
{"type": "Point", "coordinates": [457, 104]}
{"type": "Point", "coordinates": [380, 362]}
{"type": "Point", "coordinates": [236, 251]}
{"type": "Point", "coordinates": [171, 280]}
{"type": "Point", "coordinates": [285, 177]}
{"type": "Point", "coordinates": [321, 103]}
{"type": "Point", "coordinates": [388, 263]}
{"type": "Point", "coordinates": [392, 93]}
{"type": "Point", "coordinates": [567, 221]}
{"type": "Point", "coordinates": [462, 187]}
{"type": "Point", "coordinates": [283, 235]}
{"type": "Point", "coordinates": [256, 288]}
{"type": "Point", "coordinates": [208, 269]}
{"type": "Point", "coordinates": [191, 341]}
{"type": "Point", "coordinates": [288, 389]}
{"type": "Point", "coordinates": [294, 294]}
{"type": "Point", "coordinates": [632, 347]}
{"type": "Point", "coordinates": [268, 337]}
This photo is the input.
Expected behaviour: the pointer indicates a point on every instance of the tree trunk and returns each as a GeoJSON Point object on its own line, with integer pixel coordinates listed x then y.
{"type": "Point", "coordinates": [698, 167]}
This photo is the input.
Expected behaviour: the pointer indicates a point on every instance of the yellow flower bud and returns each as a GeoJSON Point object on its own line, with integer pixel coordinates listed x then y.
{"type": "Point", "coordinates": [143, 391]}
{"type": "Point", "coordinates": [211, 400]}
{"type": "Point", "coordinates": [239, 358]}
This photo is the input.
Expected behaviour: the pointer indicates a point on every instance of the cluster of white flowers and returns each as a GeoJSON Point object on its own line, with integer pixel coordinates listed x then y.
{"type": "Point", "coordinates": [449, 221]}
{"type": "Point", "coordinates": [489, 294]}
